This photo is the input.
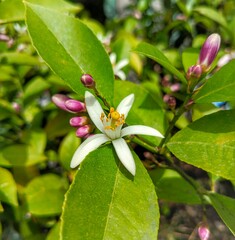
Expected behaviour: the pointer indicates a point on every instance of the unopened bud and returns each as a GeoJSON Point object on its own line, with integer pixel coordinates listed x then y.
{"type": "Point", "coordinates": [84, 130]}
{"type": "Point", "coordinates": [209, 51]}
{"type": "Point", "coordinates": [88, 81]}
{"type": "Point", "coordinates": [78, 121]}
{"type": "Point", "coordinates": [59, 100]}
{"type": "Point", "coordinates": [170, 101]}
{"type": "Point", "coordinates": [75, 106]}
{"type": "Point", "coordinates": [203, 232]}
{"type": "Point", "coordinates": [194, 72]}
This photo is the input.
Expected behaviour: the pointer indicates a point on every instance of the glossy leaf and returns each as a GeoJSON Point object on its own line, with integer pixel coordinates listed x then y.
{"type": "Point", "coordinates": [220, 87]}
{"type": "Point", "coordinates": [45, 195]}
{"type": "Point", "coordinates": [225, 207]}
{"type": "Point", "coordinates": [171, 187]}
{"type": "Point", "coordinates": [8, 190]}
{"type": "Point", "coordinates": [107, 202]}
{"type": "Point", "coordinates": [155, 54]}
{"type": "Point", "coordinates": [54, 232]}
{"type": "Point", "coordinates": [145, 110]}
{"type": "Point", "coordinates": [208, 143]}
{"type": "Point", "coordinates": [72, 49]}
{"type": "Point", "coordinates": [1, 210]}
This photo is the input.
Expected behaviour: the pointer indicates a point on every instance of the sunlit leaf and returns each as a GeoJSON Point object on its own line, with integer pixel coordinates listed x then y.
{"type": "Point", "coordinates": [8, 190]}
{"type": "Point", "coordinates": [106, 202]}
{"type": "Point", "coordinates": [72, 49]}
{"type": "Point", "coordinates": [208, 143]}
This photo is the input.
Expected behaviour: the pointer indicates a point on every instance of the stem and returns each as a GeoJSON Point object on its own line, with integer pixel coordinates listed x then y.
{"type": "Point", "coordinates": [142, 143]}
{"type": "Point", "coordinates": [102, 98]}
{"type": "Point", "coordinates": [180, 111]}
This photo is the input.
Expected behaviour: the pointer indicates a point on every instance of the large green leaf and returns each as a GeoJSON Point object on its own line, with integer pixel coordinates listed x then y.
{"type": "Point", "coordinates": [106, 202]}
{"type": "Point", "coordinates": [8, 190]}
{"type": "Point", "coordinates": [225, 207]}
{"type": "Point", "coordinates": [45, 195]}
{"type": "Point", "coordinates": [145, 110]}
{"type": "Point", "coordinates": [208, 143]}
{"type": "Point", "coordinates": [71, 49]}
{"type": "Point", "coordinates": [220, 87]}
{"type": "Point", "coordinates": [155, 54]}
{"type": "Point", "coordinates": [172, 187]}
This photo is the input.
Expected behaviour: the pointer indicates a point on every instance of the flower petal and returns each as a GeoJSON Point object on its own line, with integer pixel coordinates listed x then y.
{"type": "Point", "coordinates": [126, 104]}
{"type": "Point", "coordinates": [94, 110]}
{"type": "Point", "coordinates": [125, 155]}
{"type": "Point", "coordinates": [89, 145]}
{"type": "Point", "coordinates": [140, 129]}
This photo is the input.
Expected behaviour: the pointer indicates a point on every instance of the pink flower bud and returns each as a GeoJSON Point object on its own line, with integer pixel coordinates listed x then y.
{"type": "Point", "coordinates": [209, 51]}
{"type": "Point", "coordinates": [75, 106]}
{"type": "Point", "coordinates": [170, 101]}
{"type": "Point", "coordinates": [59, 100]}
{"type": "Point", "coordinates": [194, 72]}
{"type": "Point", "coordinates": [203, 232]}
{"type": "Point", "coordinates": [78, 121]}
{"type": "Point", "coordinates": [84, 130]}
{"type": "Point", "coordinates": [88, 81]}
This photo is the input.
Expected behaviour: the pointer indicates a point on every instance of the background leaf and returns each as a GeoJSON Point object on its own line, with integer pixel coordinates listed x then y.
{"type": "Point", "coordinates": [72, 49]}
{"type": "Point", "coordinates": [171, 187]}
{"type": "Point", "coordinates": [8, 190]}
{"type": "Point", "coordinates": [225, 207]}
{"type": "Point", "coordinates": [220, 87]}
{"type": "Point", "coordinates": [155, 54]}
{"type": "Point", "coordinates": [45, 195]}
{"type": "Point", "coordinates": [208, 143]}
{"type": "Point", "coordinates": [106, 202]}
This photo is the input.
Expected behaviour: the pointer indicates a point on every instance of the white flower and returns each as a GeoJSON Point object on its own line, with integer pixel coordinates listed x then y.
{"type": "Point", "coordinates": [111, 128]}
{"type": "Point", "coordinates": [117, 66]}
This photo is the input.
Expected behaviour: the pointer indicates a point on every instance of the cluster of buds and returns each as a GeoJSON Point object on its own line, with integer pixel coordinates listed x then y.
{"type": "Point", "coordinates": [207, 55]}
{"type": "Point", "coordinates": [81, 121]}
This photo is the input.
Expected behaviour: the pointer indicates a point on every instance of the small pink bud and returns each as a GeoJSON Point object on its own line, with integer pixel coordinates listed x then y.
{"type": "Point", "coordinates": [170, 101]}
{"type": "Point", "coordinates": [59, 100]}
{"type": "Point", "coordinates": [88, 81]}
{"type": "Point", "coordinates": [175, 87]}
{"type": "Point", "coordinates": [78, 121]}
{"type": "Point", "coordinates": [84, 130]}
{"type": "Point", "coordinates": [203, 232]}
{"type": "Point", "coordinates": [209, 51]}
{"type": "Point", "coordinates": [194, 72]}
{"type": "Point", "coordinates": [75, 106]}
{"type": "Point", "coordinates": [16, 107]}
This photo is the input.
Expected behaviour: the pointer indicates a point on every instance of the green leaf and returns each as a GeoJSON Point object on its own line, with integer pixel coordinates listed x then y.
{"type": "Point", "coordinates": [155, 54]}
{"type": "Point", "coordinates": [54, 232]}
{"type": "Point", "coordinates": [170, 186]}
{"type": "Point", "coordinates": [71, 49]}
{"type": "Point", "coordinates": [106, 202]}
{"type": "Point", "coordinates": [29, 153]}
{"type": "Point", "coordinates": [1, 210]}
{"type": "Point", "coordinates": [34, 87]}
{"type": "Point", "coordinates": [212, 14]}
{"type": "Point", "coordinates": [45, 195]}
{"type": "Point", "coordinates": [8, 190]}
{"type": "Point", "coordinates": [208, 143]}
{"type": "Point", "coordinates": [67, 148]}
{"type": "Point", "coordinates": [145, 109]}
{"type": "Point", "coordinates": [13, 10]}
{"type": "Point", "coordinates": [18, 59]}
{"type": "Point", "coordinates": [220, 87]}
{"type": "Point", "coordinates": [225, 207]}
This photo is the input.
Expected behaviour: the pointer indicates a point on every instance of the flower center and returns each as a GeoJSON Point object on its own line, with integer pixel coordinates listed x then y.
{"type": "Point", "coordinates": [114, 119]}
